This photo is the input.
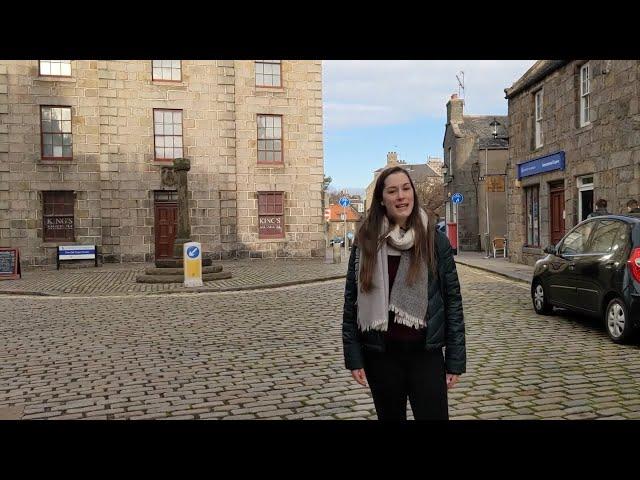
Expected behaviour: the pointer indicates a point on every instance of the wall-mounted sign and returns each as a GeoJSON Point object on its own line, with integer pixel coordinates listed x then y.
{"type": "Point", "coordinates": [271, 225]}
{"type": "Point", "coordinates": [495, 183]}
{"type": "Point", "coordinates": [544, 164]}
{"type": "Point", "coordinates": [58, 223]}
{"type": "Point", "coordinates": [10, 264]}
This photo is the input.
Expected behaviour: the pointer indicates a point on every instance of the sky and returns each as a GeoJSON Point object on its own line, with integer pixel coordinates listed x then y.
{"type": "Point", "coordinates": [372, 107]}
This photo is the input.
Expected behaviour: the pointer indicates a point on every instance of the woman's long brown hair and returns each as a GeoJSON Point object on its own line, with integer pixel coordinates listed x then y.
{"type": "Point", "coordinates": [369, 238]}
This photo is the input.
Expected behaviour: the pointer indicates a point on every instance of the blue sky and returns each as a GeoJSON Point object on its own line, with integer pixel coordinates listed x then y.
{"type": "Point", "coordinates": [373, 107]}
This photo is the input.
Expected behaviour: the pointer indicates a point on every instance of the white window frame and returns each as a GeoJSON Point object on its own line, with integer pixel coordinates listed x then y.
{"type": "Point", "coordinates": [54, 68]}
{"type": "Point", "coordinates": [583, 186]}
{"type": "Point", "coordinates": [538, 99]}
{"type": "Point", "coordinates": [585, 94]}
{"type": "Point", "coordinates": [166, 70]}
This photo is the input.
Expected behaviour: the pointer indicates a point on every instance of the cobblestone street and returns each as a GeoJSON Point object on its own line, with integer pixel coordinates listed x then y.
{"type": "Point", "coordinates": [277, 354]}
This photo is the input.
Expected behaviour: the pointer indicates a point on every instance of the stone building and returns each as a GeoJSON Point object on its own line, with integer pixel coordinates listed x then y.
{"type": "Point", "coordinates": [475, 162]}
{"type": "Point", "coordinates": [427, 178]}
{"type": "Point", "coordinates": [343, 219]}
{"type": "Point", "coordinates": [574, 138]}
{"type": "Point", "coordinates": [85, 146]}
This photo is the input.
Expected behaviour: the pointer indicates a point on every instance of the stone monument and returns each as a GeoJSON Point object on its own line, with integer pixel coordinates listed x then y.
{"type": "Point", "coordinates": [171, 270]}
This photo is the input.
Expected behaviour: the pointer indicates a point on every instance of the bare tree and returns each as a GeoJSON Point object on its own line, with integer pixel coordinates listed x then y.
{"type": "Point", "coordinates": [431, 196]}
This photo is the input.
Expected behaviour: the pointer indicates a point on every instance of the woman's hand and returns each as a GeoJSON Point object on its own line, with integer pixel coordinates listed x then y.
{"type": "Point", "coordinates": [359, 376]}
{"type": "Point", "coordinates": [452, 380]}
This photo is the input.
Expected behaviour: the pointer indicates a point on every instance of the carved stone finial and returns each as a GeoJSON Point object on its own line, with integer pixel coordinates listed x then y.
{"type": "Point", "coordinates": [168, 177]}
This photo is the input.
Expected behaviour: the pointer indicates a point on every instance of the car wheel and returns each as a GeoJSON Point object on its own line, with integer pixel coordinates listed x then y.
{"type": "Point", "coordinates": [617, 321]}
{"type": "Point", "coordinates": [539, 298]}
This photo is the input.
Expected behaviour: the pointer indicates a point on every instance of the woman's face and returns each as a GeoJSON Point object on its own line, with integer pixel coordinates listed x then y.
{"type": "Point", "coordinates": [397, 197]}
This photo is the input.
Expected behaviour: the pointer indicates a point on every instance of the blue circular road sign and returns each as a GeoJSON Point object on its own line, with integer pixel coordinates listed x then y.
{"type": "Point", "coordinates": [457, 198]}
{"type": "Point", "coordinates": [344, 201]}
{"type": "Point", "coordinates": [350, 235]}
{"type": "Point", "coordinates": [193, 252]}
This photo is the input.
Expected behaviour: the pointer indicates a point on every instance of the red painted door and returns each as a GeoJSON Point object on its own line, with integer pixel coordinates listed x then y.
{"type": "Point", "coordinates": [165, 226]}
{"type": "Point", "coordinates": [556, 209]}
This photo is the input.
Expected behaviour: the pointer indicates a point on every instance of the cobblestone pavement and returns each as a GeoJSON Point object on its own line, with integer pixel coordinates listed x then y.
{"type": "Point", "coordinates": [120, 279]}
{"type": "Point", "coordinates": [277, 354]}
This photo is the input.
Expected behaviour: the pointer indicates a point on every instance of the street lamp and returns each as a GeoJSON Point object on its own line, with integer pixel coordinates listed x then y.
{"type": "Point", "coordinates": [494, 125]}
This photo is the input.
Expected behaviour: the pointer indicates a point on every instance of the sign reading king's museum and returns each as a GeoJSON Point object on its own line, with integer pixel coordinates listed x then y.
{"type": "Point", "coordinates": [58, 223]}
{"type": "Point", "coordinates": [271, 225]}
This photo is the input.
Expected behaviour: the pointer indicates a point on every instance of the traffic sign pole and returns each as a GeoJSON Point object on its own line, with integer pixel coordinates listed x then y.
{"type": "Point", "coordinates": [457, 198]}
{"type": "Point", "coordinates": [457, 232]}
{"type": "Point", "coordinates": [344, 201]}
{"type": "Point", "coordinates": [344, 212]}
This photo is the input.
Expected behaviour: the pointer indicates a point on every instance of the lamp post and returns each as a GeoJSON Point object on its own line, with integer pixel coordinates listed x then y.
{"type": "Point", "coordinates": [494, 125]}
{"type": "Point", "coordinates": [475, 178]}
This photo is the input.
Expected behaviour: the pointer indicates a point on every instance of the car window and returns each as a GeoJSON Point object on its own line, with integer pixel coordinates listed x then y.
{"type": "Point", "coordinates": [605, 235]}
{"type": "Point", "coordinates": [622, 238]}
{"type": "Point", "coordinates": [576, 241]}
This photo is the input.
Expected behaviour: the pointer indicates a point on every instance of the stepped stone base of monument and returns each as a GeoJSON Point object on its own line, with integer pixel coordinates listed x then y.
{"type": "Point", "coordinates": [170, 270]}
{"type": "Point", "coordinates": [179, 263]}
{"type": "Point", "coordinates": [180, 271]}
{"type": "Point", "coordinates": [206, 277]}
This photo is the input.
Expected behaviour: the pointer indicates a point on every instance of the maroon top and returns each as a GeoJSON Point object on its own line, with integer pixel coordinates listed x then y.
{"type": "Point", "coordinates": [398, 332]}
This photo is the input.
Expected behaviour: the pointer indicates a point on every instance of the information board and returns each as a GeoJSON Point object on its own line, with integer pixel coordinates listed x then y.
{"type": "Point", "coordinates": [9, 264]}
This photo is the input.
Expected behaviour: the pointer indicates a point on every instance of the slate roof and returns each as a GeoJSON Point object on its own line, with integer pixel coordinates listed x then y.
{"type": "Point", "coordinates": [537, 72]}
{"type": "Point", "coordinates": [480, 126]}
{"type": "Point", "coordinates": [417, 171]}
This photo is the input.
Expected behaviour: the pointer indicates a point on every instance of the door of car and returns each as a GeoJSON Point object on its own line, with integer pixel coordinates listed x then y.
{"type": "Point", "coordinates": [598, 267]}
{"type": "Point", "coordinates": [563, 281]}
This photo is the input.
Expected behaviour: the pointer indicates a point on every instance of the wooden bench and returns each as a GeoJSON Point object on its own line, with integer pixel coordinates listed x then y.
{"type": "Point", "coordinates": [76, 252]}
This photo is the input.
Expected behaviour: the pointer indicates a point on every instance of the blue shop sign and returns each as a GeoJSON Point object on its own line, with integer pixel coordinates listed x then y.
{"type": "Point", "coordinates": [548, 163]}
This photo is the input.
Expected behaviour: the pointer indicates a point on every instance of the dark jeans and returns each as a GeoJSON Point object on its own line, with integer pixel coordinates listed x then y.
{"type": "Point", "coordinates": [407, 370]}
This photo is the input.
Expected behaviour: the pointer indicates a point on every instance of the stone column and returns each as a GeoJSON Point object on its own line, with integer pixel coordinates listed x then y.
{"type": "Point", "coordinates": [181, 166]}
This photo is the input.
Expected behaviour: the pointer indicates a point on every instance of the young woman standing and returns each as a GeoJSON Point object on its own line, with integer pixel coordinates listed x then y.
{"type": "Point", "coordinates": [402, 306]}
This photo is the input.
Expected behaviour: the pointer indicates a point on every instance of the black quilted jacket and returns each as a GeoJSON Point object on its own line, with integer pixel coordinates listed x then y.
{"type": "Point", "coordinates": [445, 320]}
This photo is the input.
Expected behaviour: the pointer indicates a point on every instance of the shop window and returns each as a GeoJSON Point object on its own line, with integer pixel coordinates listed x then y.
{"type": "Point", "coordinates": [58, 217]}
{"type": "Point", "coordinates": [532, 217]}
{"type": "Point", "coordinates": [271, 214]}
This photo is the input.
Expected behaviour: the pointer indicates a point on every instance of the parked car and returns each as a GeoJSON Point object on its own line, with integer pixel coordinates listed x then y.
{"type": "Point", "coordinates": [337, 240]}
{"type": "Point", "coordinates": [594, 269]}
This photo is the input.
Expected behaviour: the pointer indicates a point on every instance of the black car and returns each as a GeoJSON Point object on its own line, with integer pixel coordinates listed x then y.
{"type": "Point", "coordinates": [594, 269]}
{"type": "Point", "coordinates": [337, 240]}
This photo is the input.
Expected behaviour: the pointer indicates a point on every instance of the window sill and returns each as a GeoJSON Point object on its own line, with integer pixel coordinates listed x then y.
{"type": "Point", "coordinates": [532, 250]}
{"type": "Point", "coordinates": [54, 78]}
{"type": "Point", "coordinates": [271, 240]}
{"type": "Point", "coordinates": [270, 165]}
{"type": "Point", "coordinates": [269, 89]}
{"type": "Point", "coordinates": [585, 128]}
{"type": "Point", "coordinates": [169, 83]}
{"type": "Point", "coordinates": [60, 159]}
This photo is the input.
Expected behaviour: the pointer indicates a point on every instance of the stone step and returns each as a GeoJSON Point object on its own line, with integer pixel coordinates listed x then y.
{"type": "Point", "coordinates": [179, 263]}
{"type": "Point", "coordinates": [180, 271]}
{"type": "Point", "coordinates": [207, 277]}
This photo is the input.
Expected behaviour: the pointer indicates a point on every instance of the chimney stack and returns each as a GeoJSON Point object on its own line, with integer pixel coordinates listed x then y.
{"type": "Point", "coordinates": [392, 159]}
{"type": "Point", "coordinates": [455, 108]}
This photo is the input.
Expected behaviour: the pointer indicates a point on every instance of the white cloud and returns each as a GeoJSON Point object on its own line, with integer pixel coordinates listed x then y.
{"type": "Point", "coordinates": [383, 92]}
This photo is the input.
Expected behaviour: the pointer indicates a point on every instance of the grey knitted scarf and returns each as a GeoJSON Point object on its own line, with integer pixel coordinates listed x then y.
{"type": "Point", "coordinates": [408, 302]}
